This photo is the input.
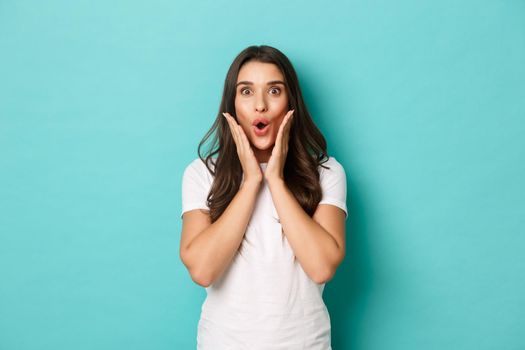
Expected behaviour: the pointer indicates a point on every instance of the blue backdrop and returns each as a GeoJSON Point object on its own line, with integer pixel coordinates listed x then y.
{"type": "Point", "coordinates": [102, 105]}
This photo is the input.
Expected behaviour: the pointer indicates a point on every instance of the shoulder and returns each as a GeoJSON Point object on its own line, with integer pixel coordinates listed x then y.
{"type": "Point", "coordinates": [198, 164]}
{"type": "Point", "coordinates": [197, 168]}
{"type": "Point", "coordinates": [331, 166]}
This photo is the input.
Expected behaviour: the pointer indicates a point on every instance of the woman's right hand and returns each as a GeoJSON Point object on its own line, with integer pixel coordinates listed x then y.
{"type": "Point", "coordinates": [250, 165]}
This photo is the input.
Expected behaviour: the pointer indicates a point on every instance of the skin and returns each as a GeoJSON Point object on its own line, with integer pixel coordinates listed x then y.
{"type": "Point", "coordinates": [258, 95]}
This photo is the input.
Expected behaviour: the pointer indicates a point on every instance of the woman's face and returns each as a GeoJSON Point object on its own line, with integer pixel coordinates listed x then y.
{"type": "Point", "coordinates": [260, 93]}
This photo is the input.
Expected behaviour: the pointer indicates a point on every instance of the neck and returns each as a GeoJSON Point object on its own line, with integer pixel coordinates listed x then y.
{"type": "Point", "coordinates": [262, 155]}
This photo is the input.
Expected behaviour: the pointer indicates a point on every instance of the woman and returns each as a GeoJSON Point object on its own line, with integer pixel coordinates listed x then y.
{"type": "Point", "coordinates": [263, 221]}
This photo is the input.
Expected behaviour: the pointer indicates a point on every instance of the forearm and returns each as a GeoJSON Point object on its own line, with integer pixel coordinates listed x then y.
{"type": "Point", "coordinates": [212, 250]}
{"type": "Point", "coordinates": [313, 246]}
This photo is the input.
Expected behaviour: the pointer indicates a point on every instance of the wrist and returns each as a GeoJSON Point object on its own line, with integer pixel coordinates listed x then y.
{"type": "Point", "coordinates": [275, 181]}
{"type": "Point", "coordinates": [251, 183]}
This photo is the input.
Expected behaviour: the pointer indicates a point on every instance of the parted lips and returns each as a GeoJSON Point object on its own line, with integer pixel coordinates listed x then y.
{"type": "Point", "coordinates": [260, 122]}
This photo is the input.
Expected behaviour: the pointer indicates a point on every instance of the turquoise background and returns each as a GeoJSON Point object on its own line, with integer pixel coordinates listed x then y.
{"type": "Point", "coordinates": [103, 105]}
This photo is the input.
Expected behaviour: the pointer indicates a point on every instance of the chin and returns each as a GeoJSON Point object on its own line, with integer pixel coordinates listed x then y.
{"type": "Point", "coordinates": [263, 145]}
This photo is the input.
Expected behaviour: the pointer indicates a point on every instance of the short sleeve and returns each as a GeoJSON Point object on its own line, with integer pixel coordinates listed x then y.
{"type": "Point", "coordinates": [333, 184]}
{"type": "Point", "coordinates": [196, 184]}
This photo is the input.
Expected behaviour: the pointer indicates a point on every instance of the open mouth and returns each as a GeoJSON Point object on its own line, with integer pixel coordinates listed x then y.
{"type": "Point", "coordinates": [260, 123]}
{"type": "Point", "coordinates": [261, 126]}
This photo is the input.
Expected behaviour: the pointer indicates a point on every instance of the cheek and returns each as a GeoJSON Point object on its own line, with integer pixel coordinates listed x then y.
{"type": "Point", "coordinates": [280, 103]}
{"type": "Point", "coordinates": [241, 114]}
{"type": "Point", "coordinates": [240, 104]}
{"type": "Point", "coordinates": [276, 129]}
{"type": "Point", "coordinates": [245, 124]}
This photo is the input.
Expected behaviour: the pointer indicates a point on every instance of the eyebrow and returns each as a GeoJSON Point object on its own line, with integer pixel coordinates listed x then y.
{"type": "Point", "coordinates": [244, 82]}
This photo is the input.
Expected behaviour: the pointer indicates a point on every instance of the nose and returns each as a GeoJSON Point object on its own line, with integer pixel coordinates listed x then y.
{"type": "Point", "coordinates": [260, 104]}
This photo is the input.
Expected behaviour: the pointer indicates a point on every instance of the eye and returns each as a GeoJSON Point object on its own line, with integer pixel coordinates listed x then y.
{"type": "Point", "coordinates": [245, 89]}
{"type": "Point", "coordinates": [276, 89]}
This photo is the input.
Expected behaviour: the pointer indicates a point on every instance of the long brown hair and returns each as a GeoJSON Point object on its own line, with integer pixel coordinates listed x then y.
{"type": "Point", "coordinates": [306, 149]}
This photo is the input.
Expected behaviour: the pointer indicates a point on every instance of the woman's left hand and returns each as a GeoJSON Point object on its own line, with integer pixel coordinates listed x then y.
{"type": "Point", "coordinates": [275, 168]}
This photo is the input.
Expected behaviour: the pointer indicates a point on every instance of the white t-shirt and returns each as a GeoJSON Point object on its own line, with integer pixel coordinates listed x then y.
{"type": "Point", "coordinates": [264, 299]}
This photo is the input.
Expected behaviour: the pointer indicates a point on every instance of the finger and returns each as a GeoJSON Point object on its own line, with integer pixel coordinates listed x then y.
{"type": "Point", "coordinates": [246, 142]}
{"type": "Point", "coordinates": [289, 124]}
{"type": "Point", "coordinates": [286, 120]}
{"type": "Point", "coordinates": [237, 130]}
{"type": "Point", "coordinates": [278, 140]}
{"type": "Point", "coordinates": [242, 139]}
{"type": "Point", "coordinates": [289, 120]}
{"type": "Point", "coordinates": [286, 130]}
{"type": "Point", "coordinates": [240, 132]}
{"type": "Point", "coordinates": [282, 128]}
